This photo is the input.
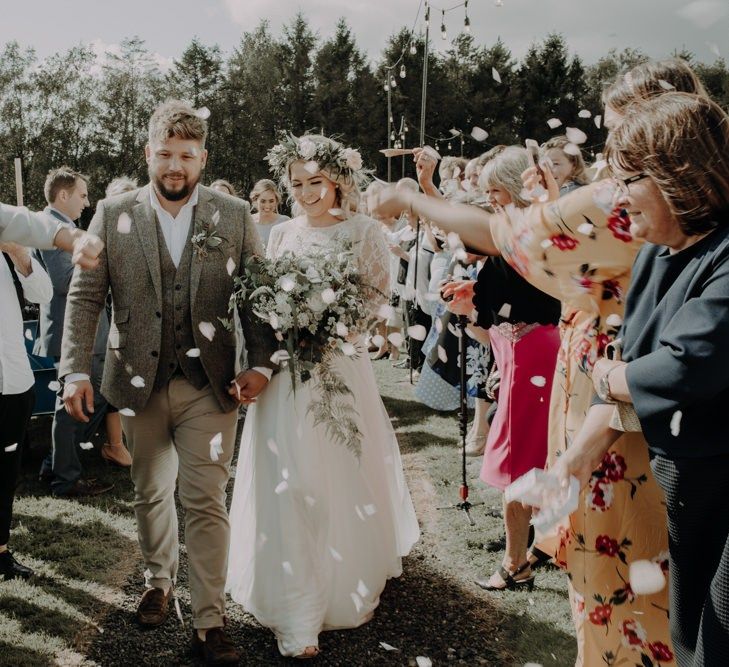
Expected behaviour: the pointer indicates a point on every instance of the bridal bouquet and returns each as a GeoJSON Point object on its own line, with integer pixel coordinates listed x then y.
{"type": "Point", "coordinates": [316, 304]}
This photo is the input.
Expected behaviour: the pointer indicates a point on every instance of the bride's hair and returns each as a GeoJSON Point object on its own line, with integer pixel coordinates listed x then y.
{"type": "Point", "coordinates": [339, 164]}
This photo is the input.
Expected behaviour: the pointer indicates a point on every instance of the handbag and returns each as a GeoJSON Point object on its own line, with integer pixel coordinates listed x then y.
{"type": "Point", "coordinates": [624, 417]}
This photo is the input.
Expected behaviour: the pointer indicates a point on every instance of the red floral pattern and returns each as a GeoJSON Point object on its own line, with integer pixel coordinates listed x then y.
{"type": "Point", "coordinates": [613, 466]}
{"type": "Point", "coordinates": [619, 224]}
{"type": "Point", "coordinates": [607, 546]}
{"type": "Point", "coordinates": [661, 652]}
{"type": "Point", "coordinates": [601, 614]}
{"type": "Point", "coordinates": [564, 242]}
{"type": "Point", "coordinates": [633, 634]}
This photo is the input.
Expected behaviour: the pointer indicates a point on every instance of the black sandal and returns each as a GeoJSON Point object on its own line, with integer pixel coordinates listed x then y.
{"type": "Point", "coordinates": [511, 584]}
{"type": "Point", "coordinates": [540, 557]}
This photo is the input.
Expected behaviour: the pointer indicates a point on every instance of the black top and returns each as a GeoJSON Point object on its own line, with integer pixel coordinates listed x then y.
{"type": "Point", "coordinates": [676, 340]}
{"type": "Point", "coordinates": [499, 285]}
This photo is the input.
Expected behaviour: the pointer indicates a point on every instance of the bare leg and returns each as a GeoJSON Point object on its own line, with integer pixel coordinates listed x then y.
{"type": "Point", "coordinates": [476, 439]}
{"type": "Point", "coordinates": [516, 522]}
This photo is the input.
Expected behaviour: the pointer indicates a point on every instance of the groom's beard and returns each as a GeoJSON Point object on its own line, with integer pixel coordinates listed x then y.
{"type": "Point", "coordinates": [174, 195]}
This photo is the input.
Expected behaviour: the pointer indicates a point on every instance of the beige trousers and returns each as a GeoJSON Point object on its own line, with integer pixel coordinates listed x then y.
{"type": "Point", "coordinates": [170, 442]}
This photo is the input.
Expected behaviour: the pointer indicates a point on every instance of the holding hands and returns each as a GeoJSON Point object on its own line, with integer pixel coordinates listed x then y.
{"type": "Point", "coordinates": [247, 386]}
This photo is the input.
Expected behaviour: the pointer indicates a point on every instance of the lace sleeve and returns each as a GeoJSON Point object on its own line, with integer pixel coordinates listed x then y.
{"type": "Point", "coordinates": [374, 264]}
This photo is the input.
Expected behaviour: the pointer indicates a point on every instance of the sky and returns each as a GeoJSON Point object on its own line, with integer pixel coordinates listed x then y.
{"type": "Point", "coordinates": [591, 27]}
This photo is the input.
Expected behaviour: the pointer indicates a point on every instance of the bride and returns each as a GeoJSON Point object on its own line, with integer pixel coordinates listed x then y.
{"type": "Point", "coordinates": [317, 528]}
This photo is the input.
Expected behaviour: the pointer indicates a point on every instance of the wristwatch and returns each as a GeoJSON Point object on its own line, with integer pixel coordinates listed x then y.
{"type": "Point", "coordinates": [603, 388]}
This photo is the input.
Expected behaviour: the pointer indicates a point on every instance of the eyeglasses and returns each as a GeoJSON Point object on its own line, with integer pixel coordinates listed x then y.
{"type": "Point", "coordinates": [622, 184]}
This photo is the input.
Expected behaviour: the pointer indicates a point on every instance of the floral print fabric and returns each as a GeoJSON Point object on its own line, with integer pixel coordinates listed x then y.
{"type": "Point", "coordinates": [579, 250]}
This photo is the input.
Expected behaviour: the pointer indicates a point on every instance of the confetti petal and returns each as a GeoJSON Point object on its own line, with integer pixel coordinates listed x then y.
{"type": "Point", "coordinates": [193, 352]}
{"type": "Point", "coordinates": [395, 338]}
{"type": "Point", "coordinates": [86, 445]}
{"type": "Point", "coordinates": [378, 340]}
{"type": "Point", "coordinates": [54, 385]}
{"type": "Point", "coordinates": [598, 121]}
{"type": "Point", "coordinates": [418, 332]}
{"type": "Point", "coordinates": [423, 661]}
{"type": "Point", "coordinates": [614, 320]}
{"type": "Point", "coordinates": [216, 218]}
{"type": "Point", "coordinates": [328, 295]}
{"type": "Point", "coordinates": [310, 501]}
{"type": "Point", "coordinates": [495, 74]}
{"type": "Point", "coordinates": [230, 266]}
{"type": "Point", "coordinates": [388, 647]}
{"type": "Point", "coordinates": [547, 243]}
{"type": "Point", "coordinates": [370, 509]}
{"type": "Point", "coordinates": [479, 134]}
{"type": "Point", "coordinates": [665, 85]}
{"type": "Point", "coordinates": [646, 577]}
{"type": "Point", "coordinates": [285, 473]}
{"type": "Point", "coordinates": [359, 512]}
{"type": "Point", "coordinates": [337, 212]}
{"type": "Point", "coordinates": [586, 228]}
{"type": "Point", "coordinates": [127, 412]}
{"type": "Point", "coordinates": [216, 446]}
{"type": "Point", "coordinates": [575, 135]}
{"type": "Point", "coordinates": [207, 330]}
{"type": "Point", "coordinates": [272, 446]}
{"type": "Point", "coordinates": [137, 381]}
{"type": "Point", "coordinates": [335, 555]}
{"type": "Point", "coordinates": [358, 604]}
{"type": "Point", "coordinates": [312, 166]}
{"type": "Point", "coordinates": [676, 423]}
{"type": "Point", "coordinates": [11, 448]}
{"type": "Point", "coordinates": [29, 334]}
{"type": "Point", "coordinates": [505, 311]}
{"type": "Point", "coordinates": [554, 123]}
{"type": "Point", "coordinates": [281, 487]}
{"type": "Point", "coordinates": [287, 568]}
{"type": "Point", "coordinates": [124, 223]}
{"type": "Point", "coordinates": [261, 540]}
{"type": "Point", "coordinates": [571, 149]}
{"type": "Point", "coordinates": [348, 349]}
{"type": "Point", "coordinates": [538, 381]}
{"type": "Point", "coordinates": [203, 113]}
{"type": "Point", "coordinates": [386, 312]}
{"type": "Point", "coordinates": [442, 354]}
{"type": "Point", "coordinates": [585, 113]}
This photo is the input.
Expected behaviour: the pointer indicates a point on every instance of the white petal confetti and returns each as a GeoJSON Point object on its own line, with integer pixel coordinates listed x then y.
{"type": "Point", "coordinates": [282, 487]}
{"type": "Point", "coordinates": [378, 340]}
{"type": "Point", "coordinates": [207, 330]}
{"type": "Point", "coordinates": [370, 509]}
{"type": "Point", "coordinates": [665, 85]}
{"type": "Point", "coordinates": [422, 661]}
{"type": "Point", "coordinates": [349, 349]}
{"type": "Point", "coordinates": [272, 446]}
{"type": "Point", "coordinates": [646, 577]}
{"type": "Point", "coordinates": [29, 334]}
{"type": "Point", "coordinates": [337, 212]}
{"type": "Point", "coordinates": [86, 445]}
{"type": "Point", "coordinates": [328, 295]}
{"type": "Point", "coordinates": [439, 325]}
{"type": "Point", "coordinates": [287, 568]}
{"type": "Point", "coordinates": [442, 354]}
{"type": "Point", "coordinates": [585, 113]}
{"type": "Point", "coordinates": [230, 266]}
{"type": "Point", "coordinates": [360, 514]}
{"type": "Point", "coordinates": [495, 74]}
{"type": "Point", "coordinates": [358, 604]}
{"type": "Point", "coordinates": [417, 331]}
{"type": "Point", "coordinates": [554, 123]}
{"type": "Point", "coordinates": [216, 217]}
{"type": "Point", "coordinates": [505, 311]}
{"type": "Point", "coordinates": [137, 381]}
{"type": "Point", "coordinates": [312, 166]}
{"type": "Point", "coordinates": [575, 135]}
{"type": "Point", "coordinates": [547, 243]}
{"type": "Point", "coordinates": [335, 555]}
{"type": "Point", "coordinates": [614, 320]}
{"type": "Point", "coordinates": [54, 385]}
{"type": "Point", "coordinates": [395, 338]}
{"type": "Point", "coordinates": [342, 329]}
{"type": "Point", "coordinates": [203, 113]}
{"type": "Point", "coordinates": [124, 223]}
{"type": "Point", "coordinates": [586, 228]}
{"type": "Point", "coordinates": [571, 149]}
{"type": "Point", "coordinates": [285, 473]}
{"type": "Point", "coordinates": [11, 448]}
{"type": "Point", "coordinates": [127, 412]}
{"type": "Point", "coordinates": [310, 501]}
{"type": "Point", "coordinates": [386, 312]}
{"type": "Point", "coordinates": [538, 381]}
{"type": "Point", "coordinates": [287, 283]}
{"type": "Point", "coordinates": [261, 540]}
{"type": "Point", "coordinates": [388, 647]}
{"type": "Point", "coordinates": [479, 134]}
{"type": "Point", "coordinates": [193, 352]}
{"type": "Point", "coordinates": [598, 121]}
{"type": "Point", "coordinates": [216, 446]}
{"type": "Point", "coordinates": [676, 423]}
{"type": "Point", "coordinates": [362, 589]}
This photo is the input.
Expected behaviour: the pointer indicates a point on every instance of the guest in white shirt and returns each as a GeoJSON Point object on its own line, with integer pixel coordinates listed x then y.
{"type": "Point", "coordinates": [20, 277]}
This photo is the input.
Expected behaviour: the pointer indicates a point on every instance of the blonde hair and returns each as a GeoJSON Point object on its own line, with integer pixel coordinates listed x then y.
{"type": "Point", "coordinates": [222, 183]}
{"type": "Point", "coordinates": [174, 118]}
{"type": "Point", "coordinates": [262, 186]}
{"type": "Point", "coordinates": [121, 185]}
{"type": "Point", "coordinates": [61, 178]}
{"type": "Point", "coordinates": [651, 78]}
{"type": "Point", "coordinates": [579, 171]}
{"type": "Point", "coordinates": [448, 166]}
{"type": "Point", "coordinates": [681, 141]}
{"type": "Point", "coordinates": [407, 184]}
{"type": "Point", "coordinates": [504, 171]}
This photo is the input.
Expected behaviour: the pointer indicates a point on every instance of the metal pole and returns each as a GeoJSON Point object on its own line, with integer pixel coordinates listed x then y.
{"type": "Point", "coordinates": [424, 94]}
{"type": "Point", "coordinates": [19, 180]}
{"type": "Point", "coordinates": [402, 139]}
{"type": "Point", "coordinates": [389, 126]}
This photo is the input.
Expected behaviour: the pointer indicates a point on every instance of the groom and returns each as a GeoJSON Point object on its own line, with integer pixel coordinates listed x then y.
{"type": "Point", "coordinates": [172, 249]}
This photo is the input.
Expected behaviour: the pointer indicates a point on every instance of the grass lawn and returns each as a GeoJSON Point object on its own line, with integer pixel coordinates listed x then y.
{"type": "Point", "coordinates": [76, 610]}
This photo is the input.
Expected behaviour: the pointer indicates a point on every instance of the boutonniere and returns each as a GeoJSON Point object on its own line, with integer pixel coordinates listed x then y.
{"type": "Point", "coordinates": [205, 237]}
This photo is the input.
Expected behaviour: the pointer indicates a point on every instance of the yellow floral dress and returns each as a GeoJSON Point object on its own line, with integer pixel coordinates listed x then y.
{"type": "Point", "coordinates": [579, 250]}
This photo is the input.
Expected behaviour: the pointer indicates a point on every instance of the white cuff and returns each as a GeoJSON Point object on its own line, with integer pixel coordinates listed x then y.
{"type": "Point", "coordinates": [75, 377]}
{"type": "Point", "coordinates": [267, 372]}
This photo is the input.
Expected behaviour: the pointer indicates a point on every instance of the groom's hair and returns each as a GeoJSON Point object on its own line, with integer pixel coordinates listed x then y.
{"type": "Point", "coordinates": [174, 118]}
{"type": "Point", "coordinates": [61, 178]}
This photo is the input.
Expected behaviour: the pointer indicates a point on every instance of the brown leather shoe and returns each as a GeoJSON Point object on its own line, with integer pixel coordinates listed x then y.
{"type": "Point", "coordinates": [153, 607]}
{"type": "Point", "coordinates": [217, 649]}
{"type": "Point", "coordinates": [85, 487]}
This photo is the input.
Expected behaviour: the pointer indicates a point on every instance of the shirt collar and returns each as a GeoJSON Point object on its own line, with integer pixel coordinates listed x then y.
{"type": "Point", "coordinates": [62, 216]}
{"type": "Point", "coordinates": [154, 200]}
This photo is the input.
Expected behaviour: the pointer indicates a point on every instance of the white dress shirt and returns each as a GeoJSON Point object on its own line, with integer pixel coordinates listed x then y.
{"type": "Point", "coordinates": [174, 229]}
{"type": "Point", "coordinates": [22, 226]}
{"type": "Point", "coordinates": [16, 376]}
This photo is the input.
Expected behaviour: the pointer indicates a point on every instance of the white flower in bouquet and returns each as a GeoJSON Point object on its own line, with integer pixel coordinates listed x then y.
{"type": "Point", "coordinates": [315, 303]}
{"type": "Point", "coordinates": [313, 275]}
{"type": "Point", "coordinates": [307, 148]}
{"type": "Point", "coordinates": [342, 329]}
{"type": "Point", "coordinates": [328, 296]}
{"type": "Point", "coordinates": [288, 282]}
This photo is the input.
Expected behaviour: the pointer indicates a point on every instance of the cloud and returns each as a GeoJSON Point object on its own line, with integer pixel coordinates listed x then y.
{"type": "Point", "coordinates": [103, 50]}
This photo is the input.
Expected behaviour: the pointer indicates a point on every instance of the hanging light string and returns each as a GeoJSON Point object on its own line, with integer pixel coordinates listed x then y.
{"type": "Point", "coordinates": [410, 46]}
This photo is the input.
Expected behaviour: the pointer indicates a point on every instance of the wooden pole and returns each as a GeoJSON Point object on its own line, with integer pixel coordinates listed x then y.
{"type": "Point", "coordinates": [19, 181]}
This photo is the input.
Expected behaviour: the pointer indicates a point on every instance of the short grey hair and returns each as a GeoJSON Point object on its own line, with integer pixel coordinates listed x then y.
{"type": "Point", "coordinates": [121, 185]}
{"type": "Point", "coordinates": [505, 171]}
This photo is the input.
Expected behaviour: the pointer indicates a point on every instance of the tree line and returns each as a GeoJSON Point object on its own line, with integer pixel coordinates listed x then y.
{"type": "Point", "coordinates": [70, 109]}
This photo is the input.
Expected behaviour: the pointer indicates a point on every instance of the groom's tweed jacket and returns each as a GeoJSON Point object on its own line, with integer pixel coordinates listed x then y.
{"type": "Point", "coordinates": [158, 309]}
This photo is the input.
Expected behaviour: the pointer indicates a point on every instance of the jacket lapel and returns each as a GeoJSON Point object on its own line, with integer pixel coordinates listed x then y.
{"type": "Point", "coordinates": [203, 214]}
{"type": "Point", "coordinates": [146, 226]}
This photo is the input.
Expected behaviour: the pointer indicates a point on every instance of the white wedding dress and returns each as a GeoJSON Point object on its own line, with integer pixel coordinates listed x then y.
{"type": "Point", "coordinates": [316, 531]}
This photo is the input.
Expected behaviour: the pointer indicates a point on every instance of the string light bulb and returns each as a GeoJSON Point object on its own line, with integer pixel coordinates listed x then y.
{"type": "Point", "coordinates": [443, 32]}
{"type": "Point", "coordinates": [450, 147]}
{"type": "Point", "coordinates": [393, 83]}
{"type": "Point", "coordinates": [392, 136]}
{"type": "Point", "coordinates": [386, 86]}
{"type": "Point", "coordinates": [402, 72]}
{"type": "Point", "coordinates": [413, 50]}
{"type": "Point", "coordinates": [466, 21]}
{"type": "Point", "coordinates": [499, 3]}
{"type": "Point", "coordinates": [427, 15]}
